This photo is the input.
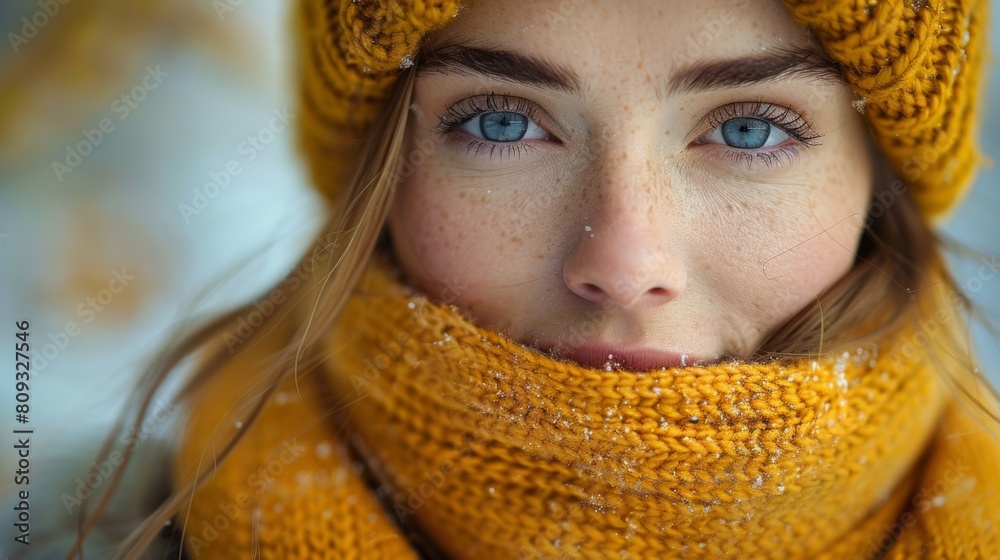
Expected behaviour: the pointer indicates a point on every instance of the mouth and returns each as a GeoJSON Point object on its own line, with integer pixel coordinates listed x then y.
{"type": "Point", "coordinates": [611, 357]}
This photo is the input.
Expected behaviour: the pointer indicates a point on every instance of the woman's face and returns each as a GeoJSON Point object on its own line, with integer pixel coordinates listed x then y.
{"type": "Point", "coordinates": [658, 181]}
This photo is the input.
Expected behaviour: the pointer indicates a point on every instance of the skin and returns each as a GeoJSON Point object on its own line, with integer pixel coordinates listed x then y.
{"type": "Point", "coordinates": [625, 221]}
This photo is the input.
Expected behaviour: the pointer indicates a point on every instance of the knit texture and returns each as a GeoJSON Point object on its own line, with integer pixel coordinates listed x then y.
{"type": "Point", "coordinates": [351, 55]}
{"type": "Point", "coordinates": [423, 431]}
{"type": "Point", "coordinates": [915, 66]}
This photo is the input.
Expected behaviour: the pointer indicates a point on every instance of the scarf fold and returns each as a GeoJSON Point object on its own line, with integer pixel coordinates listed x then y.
{"type": "Point", "coordinates": [423, 433]}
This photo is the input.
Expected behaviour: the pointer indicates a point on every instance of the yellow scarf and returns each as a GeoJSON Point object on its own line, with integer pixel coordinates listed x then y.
{"type": "Point", "coordinates": [425, 434]}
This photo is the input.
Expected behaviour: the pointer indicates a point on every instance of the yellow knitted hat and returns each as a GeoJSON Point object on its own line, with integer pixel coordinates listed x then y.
{"type": "Point", "coordinates": [914, 64]}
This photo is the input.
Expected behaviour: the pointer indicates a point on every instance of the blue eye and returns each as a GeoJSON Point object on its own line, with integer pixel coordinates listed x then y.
{"type": "Point", "coordinates": [503, 126]}
{"type": "Point", "coordinates": [746, 134]}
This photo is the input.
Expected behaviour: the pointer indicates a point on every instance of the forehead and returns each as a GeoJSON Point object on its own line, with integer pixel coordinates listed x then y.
{"type": "Point", "coordinates": [658, 35]}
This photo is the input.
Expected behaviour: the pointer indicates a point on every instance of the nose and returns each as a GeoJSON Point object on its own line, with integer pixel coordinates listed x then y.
{"type": "Point", "coordinates": [625, 255]}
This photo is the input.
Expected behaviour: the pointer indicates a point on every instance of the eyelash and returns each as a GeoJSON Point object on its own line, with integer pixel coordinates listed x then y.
{"type": "Point", "coordinates": [783, 118]}
{"type": "Point", "coordinates": [469, 108]}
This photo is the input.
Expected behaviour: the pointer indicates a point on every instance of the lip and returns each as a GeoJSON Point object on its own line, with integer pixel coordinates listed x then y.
{"type": "Point", "coordinates": [611, 356]}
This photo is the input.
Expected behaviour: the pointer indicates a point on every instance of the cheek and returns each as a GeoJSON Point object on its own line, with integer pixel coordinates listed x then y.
{"type": "Point", "coordinates": [450, 239]}
{"type": "Point", "coordinates": [765, 273]}
{"type": "Point", "coordinates": [426, 232]}
{"type": "Point", "coordinates": [781, 261]}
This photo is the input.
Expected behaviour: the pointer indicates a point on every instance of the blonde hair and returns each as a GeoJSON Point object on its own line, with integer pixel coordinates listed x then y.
{"type": "Point", "coordinates": [898, 259]}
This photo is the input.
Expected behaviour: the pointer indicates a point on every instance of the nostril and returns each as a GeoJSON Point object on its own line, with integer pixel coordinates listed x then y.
{"type": "Point", "coordinates": [609, 279]}
{"type": "Point", "coordinates": [591, 290]}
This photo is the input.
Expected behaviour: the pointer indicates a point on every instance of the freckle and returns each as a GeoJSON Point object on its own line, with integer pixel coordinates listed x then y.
{"type": "Point", "coordinates": [461, 194]}
{"type": "Point", "coordinates": [515, 239]}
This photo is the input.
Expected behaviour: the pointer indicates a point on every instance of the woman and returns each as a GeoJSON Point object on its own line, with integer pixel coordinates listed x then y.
{"type": "Point", "coordinates": [657, 280]}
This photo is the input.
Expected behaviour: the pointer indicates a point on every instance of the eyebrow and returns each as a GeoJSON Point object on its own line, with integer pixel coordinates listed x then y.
{"type": "Point", "coordinates": [503, 65]}
{"type": "Point", "coordinates": [785, 62]}
{"type": "Point", "coordinates": [511, 66]}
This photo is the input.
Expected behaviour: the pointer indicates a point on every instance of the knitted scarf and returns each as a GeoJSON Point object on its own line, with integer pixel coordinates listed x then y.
{"type": "Point", "coordinates": [424, 434]}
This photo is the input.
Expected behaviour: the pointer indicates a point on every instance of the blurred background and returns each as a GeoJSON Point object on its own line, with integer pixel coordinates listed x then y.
{"type": "Point", "coordinates": [148, 176]}
{"type": "Point", "coordinates": [116, 118]}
